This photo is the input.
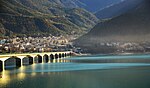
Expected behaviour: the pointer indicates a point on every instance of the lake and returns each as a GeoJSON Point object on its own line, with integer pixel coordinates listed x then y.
{"type": "Point", "coordinates": [96, 71]}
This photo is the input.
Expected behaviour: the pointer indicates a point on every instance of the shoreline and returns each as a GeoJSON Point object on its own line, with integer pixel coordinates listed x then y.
{"type": "Point", "coordinates": [89, 54]}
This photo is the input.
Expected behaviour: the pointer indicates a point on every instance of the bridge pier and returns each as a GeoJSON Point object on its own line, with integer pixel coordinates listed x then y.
{"type": "Point", "coordinates": [21, 61]}
{"type": "Point", "coordinates": [1, 66]}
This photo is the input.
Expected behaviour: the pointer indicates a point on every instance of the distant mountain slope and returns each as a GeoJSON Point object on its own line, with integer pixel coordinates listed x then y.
{"type": "Point", "coordinates": [42, 17]}
{"type": "Point", "coordinates": [90, 5]}
{"type": "Point", "coordinates": [117, 9]}
{"type": "Point", "coordinates": [133, 26]}
{"type": "Point", "coordinates": [96, 5]}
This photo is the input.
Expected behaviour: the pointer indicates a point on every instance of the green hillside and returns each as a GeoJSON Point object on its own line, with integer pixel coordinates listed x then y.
{"type": "Point", "coordinates": [42, 17]}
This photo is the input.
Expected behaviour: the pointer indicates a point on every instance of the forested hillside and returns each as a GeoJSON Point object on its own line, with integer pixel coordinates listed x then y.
{"type": "Point", "coordinates": [43, 17]}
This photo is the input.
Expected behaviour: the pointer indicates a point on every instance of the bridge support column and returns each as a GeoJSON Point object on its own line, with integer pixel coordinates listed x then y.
{"type": "Point", "coordinates": [65, 54]}
{"type": "Point", "coordinates": [49, 59]}
{"type": "Point", "coordinates": [21, 62]}
{"type": "Point", "coordinates": [3, 65]}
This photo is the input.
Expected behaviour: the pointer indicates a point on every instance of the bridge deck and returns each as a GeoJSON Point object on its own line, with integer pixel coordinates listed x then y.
{"type": "Point", "coordinates": [6, 56]}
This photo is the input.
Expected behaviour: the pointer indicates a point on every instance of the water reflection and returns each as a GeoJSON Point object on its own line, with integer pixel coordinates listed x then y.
{"type": "Point", "coordinates": [60, 61]}
{"type": "Point", "coordinates": [5, 77]}
{"type": "Point", "coordinates": [137, 77]}
{"type": "Point", "coordinates": [22, 68]}
{"type": "Point", "coordinates": [69, 73]}
{"type": "Point", "coordinates": [54, 61]}
{"type": "Point", "coordinates": [33, 74]}
{"type": "Point", "coordinates": [21, 76]}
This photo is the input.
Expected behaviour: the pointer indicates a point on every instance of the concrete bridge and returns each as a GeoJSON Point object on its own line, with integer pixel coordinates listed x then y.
{"type": "Point", "coordinates": [28, 59]}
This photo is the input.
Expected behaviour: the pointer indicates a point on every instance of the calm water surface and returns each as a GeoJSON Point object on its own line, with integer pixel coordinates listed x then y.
{"type": "Point", "coordinates": [76, 74]}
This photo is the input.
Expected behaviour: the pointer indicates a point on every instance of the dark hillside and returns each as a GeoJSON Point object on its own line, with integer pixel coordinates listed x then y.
{"type": "Point", "coordinates": [132, 26]}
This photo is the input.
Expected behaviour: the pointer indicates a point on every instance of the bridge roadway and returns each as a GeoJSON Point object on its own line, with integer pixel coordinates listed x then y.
{"type": "Point", "coordinates": [19, 59]}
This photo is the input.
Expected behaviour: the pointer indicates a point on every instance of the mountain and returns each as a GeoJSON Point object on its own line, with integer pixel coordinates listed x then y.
{"type": "Point", "coordinates": [117, 9]}
{"type": "Point", "coordinates": [96, 5]}
{"type": "Point", "coordinates": [90, 5]}
{"type": "Point", "coordinates": [132, 26]}
{"type": "Point", "coordinates": [43, 17]}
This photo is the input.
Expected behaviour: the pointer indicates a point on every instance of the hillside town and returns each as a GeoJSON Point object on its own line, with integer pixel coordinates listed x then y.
{"type": "Point", "coordinates": [124, 47]}
{"type": "Point", "coordinates": [61, 43]}
{"type": "Point", "coordinates": [34, 44]}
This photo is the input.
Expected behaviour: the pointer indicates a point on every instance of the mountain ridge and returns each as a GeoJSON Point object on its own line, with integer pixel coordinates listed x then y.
{"type": "Point", "coordinates": [96, 5]}
{"type": "Point", "coordinates": [117, 9]}
{"type": "Point", "coordinates": [132, 26]}
{"type": "Point", "coordinates": [30, 17]}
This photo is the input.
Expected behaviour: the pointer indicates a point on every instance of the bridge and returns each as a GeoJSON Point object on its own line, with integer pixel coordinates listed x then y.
{"type": "Point", "coordinates": [30, 58]}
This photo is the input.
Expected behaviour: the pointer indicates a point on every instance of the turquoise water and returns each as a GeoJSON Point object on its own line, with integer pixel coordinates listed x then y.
{"type": "Point", "coordinates": [75, 74]}
{"type": "Point", "coordinates": [137, 56]}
